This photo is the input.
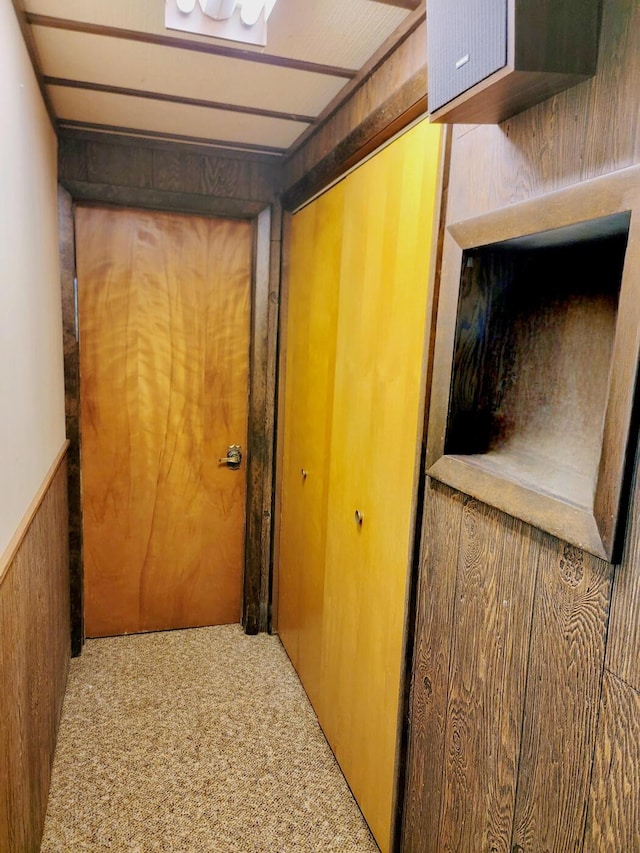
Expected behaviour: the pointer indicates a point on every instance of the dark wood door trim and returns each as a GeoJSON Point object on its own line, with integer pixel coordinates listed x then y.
{"type": "Point", "coordinates": [256, 614]}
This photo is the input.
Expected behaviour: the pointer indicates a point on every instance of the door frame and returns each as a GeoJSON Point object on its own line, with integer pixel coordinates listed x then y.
{"type": "Point", "coordinates": [265, 296]}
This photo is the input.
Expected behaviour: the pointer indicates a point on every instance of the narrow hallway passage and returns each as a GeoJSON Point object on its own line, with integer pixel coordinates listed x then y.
{"type": "Point", "coordinates": [198, 740]}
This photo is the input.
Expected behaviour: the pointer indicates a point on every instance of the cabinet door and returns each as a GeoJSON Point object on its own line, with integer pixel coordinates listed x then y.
{"type": "Point", "coordinates": [375, 437]}
{"type": "Point", "coordinates": [314, 270]}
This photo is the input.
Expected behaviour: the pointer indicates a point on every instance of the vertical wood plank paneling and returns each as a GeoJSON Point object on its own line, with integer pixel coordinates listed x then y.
{"type": "Point", "coordinates": [586, 131]}
{"type": "Point", "coordinates": [432, 657]}
{"type": "Point", "coordinates": [623, 647]}
{"type": "Point", "coordinates": [491, 628]}
{"type": "Point", "coordinates": [613, 821]}
{"type": "Point", "coordinates": [563, 691]}
{"type": "Point", "coordinates": [34, 658]}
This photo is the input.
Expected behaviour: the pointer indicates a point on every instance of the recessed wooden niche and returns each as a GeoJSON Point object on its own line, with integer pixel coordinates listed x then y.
{"type": "Point", "coordinates": [536, 358]}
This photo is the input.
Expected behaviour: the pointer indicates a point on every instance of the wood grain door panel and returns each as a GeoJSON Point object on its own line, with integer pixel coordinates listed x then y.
{"type": "Point", "coordinates": [358, 281]}
{"type": "Point", "coordinates": [164, 307]}
{"type": "Point", "coordinates": [314, 266]}
{"type": "Point", "coordinates": [376, 432]}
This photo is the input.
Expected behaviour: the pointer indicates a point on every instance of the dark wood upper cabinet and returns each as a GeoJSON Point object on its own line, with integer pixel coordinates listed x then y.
{"type": "Point", "coordinates": [489, 59]}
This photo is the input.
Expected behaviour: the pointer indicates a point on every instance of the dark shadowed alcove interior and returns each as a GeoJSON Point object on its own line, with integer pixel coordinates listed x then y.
{"type": "Point", "coordinates": [534, 336]}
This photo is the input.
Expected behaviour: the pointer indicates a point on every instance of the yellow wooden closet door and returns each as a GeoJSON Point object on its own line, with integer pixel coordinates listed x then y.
{"type": "Point", "coordinates": [376, 432]}
{"type": "Point", "coordinates": [314, 271]}
{"type": "Point", "coordinates": [164, 347]}
{"type": "Point", "coordinates": [359, 267]}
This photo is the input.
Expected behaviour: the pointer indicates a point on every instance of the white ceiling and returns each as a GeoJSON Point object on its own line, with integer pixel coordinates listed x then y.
{"type": "Point", "coordinates": [111, 66]}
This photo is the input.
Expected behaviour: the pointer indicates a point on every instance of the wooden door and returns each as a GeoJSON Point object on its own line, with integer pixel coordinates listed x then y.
{"type": "Point", "coordinates": [312, 323]}
{"type": "Point", "coordinates": [375, 440]}
{"type": "Point", "coordinates": [358, 279]}
{"type": "Point", "coordinates": [164, 303]}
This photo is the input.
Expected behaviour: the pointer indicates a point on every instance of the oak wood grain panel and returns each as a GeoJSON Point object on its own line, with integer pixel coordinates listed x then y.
{"type": "Point", "coordinates": [72, 158]}
{"type": "Point", "coordinates": [108, 194]}
{"type": "Point", "coordinates": [312, 322]}
{"type": "Point", "coordinates": [177, 172]}
{"type": "Point", "coordinates": [113, 164]}
{"type": "Point", "coordinates": [590, 130]}
{"type": "Point", "coordinates": [613, 820]}
{"type": "Point", "coordinates": [487, 680]}
{"type": "Point", "coordinates": [86, 134]}
{"type": "Point", "coordinates": [563, 691]}
{"type": "Point", "coordinates": [34, 659]}
{"type": "Point", "coordinates": [164, 321]}
{"type": "Point", "coordinates": [431, 662]}
{"type": "Point", "coordinates": [375, 433]}
{"type": "Point", "coordinates": [623, 646]}
{"type": "Point", "coordinates": [72, 413]}
{"type": "Point", "coordinates": [156, 170]}
{"type": "Point", "coordinates": [194, 173]}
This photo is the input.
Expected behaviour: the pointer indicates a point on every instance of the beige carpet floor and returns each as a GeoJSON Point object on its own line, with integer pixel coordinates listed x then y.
{"type": "Point", "coordinates": [199, 740]}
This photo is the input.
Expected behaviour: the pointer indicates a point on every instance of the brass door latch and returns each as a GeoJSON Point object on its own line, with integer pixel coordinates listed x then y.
{"type": "Point", "coordinates": [233, 458]}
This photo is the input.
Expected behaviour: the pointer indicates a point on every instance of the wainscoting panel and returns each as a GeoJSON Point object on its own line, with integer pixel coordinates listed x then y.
{"type": "Point", "coordinates": [34, 660]}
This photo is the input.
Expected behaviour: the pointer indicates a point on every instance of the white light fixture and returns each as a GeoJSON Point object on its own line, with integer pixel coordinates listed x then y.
{"type": "Point", "coordinates": [238, 20]}
{"type": "Point", "coordinates": [219, 10]}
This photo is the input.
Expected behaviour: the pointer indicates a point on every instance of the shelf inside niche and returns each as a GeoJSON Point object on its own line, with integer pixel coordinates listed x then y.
{"type": "Point", "coordinates": [536, 359]}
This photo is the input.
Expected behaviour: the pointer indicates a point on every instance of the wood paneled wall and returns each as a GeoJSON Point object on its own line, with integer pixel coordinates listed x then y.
{"type": "Point", "coordinates": [525, 710]}
{"type": "Point", "coordinates": [165, 176]}
{"type": "Point", "coordinates": [34, 659]}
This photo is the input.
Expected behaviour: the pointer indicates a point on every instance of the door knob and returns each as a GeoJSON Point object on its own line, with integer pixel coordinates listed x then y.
{"type": "Point", "coordinates": [233, 457]}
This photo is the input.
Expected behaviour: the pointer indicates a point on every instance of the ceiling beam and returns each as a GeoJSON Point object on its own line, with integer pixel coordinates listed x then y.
{"type": "Point", "coordinates": [186, 44]}
{"type": "Point", "coordinates": [32, 50]}
{"type": "Point", "coordinates": [403, 4]}
{"type": "Point", "coordinates": [169, 137]}
{"type": "Point", "coordinates": [177, 99]}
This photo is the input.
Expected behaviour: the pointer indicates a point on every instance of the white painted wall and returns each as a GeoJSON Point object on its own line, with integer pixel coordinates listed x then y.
{"type": "Point", "coordinates": [32, 426]}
